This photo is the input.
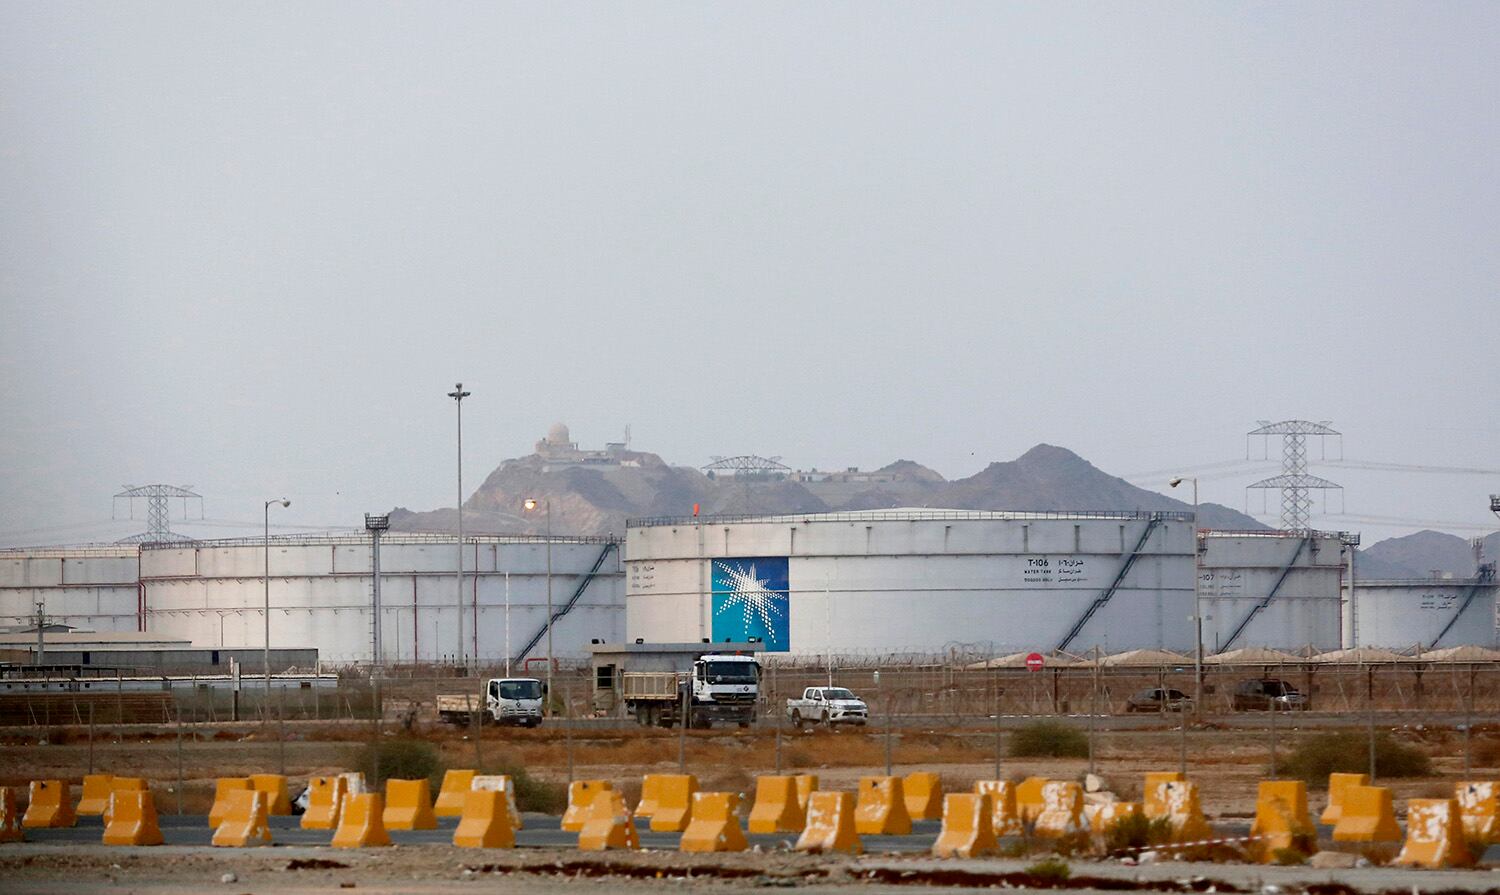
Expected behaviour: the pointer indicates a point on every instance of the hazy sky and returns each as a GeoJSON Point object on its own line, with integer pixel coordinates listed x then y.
{"type": "Point", "coordinates": [249, 247]}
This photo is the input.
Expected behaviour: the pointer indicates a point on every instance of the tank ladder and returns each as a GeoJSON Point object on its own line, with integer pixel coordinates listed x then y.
{"type": "Point", "coordinates": [564, 609]}
{"type": "Point", "coordinates": [1114, 585]}
{"type": "Point", "coordinates": [1286, 570]}
{"type": "Point", "coordinates": [1485, 578]}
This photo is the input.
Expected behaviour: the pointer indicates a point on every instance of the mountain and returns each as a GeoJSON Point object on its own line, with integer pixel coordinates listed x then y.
{"type": "Point", "coordinates": [594, 492]}
{"type": "Point", "coordinates": [1419, 555]}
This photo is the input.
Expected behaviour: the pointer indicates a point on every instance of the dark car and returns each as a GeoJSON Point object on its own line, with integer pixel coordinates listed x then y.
{"type": "Point", "coordinates": [1159, 699]}
{"type": "Point", "coordinates": [1269, 694]}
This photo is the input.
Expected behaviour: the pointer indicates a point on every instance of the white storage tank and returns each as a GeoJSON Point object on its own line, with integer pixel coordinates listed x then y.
{"type": "Point", "coordinates": [89, 588]}
{"type": "Point", "coordinates": [1431, 613]}
{"type": "Point", "coordinates": [915, 581]}
{"type": "Point", "coordinates": [213, 593]}
{"type": "Point", "coordinates": [1272, 588]}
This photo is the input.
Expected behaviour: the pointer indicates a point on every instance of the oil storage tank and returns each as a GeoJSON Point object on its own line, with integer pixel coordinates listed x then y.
{"type": "Point", "coordinates": [91, 588]}
{"type": "Point", "coordinates": [1276, 589]}
{"type": "Point", "coordinates": [1428, 613]}
{"type": "Point", "coordinates": [915, 581]}
{"type": "Point", "coordinates": [213, 593]}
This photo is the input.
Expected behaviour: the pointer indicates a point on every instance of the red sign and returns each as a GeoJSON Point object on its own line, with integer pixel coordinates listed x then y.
{"type": "Point", "coordinates": [1034, 662]}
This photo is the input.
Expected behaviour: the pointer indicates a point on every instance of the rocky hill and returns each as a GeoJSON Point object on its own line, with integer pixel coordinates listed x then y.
{"type": "Point", "coordinates": [597, 494]}
{"type": "Point", "coordinates": [1419, 555]}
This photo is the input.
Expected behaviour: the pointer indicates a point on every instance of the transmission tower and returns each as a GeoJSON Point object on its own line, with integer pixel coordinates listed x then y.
{"type": "Point", "coordinates": [1294, 483]}
{"type": "Point", "coordinates": [1495, 504]}
{"type": "Point", "coordinates": [158, 511]}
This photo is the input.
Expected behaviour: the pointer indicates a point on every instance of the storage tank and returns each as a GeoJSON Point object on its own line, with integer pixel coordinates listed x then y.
{"type": "Point", "coordinates": [212, 593]}
{"type": "Point", "coordinates": [1433, 613]}
{"type": "Point", "coordinates": [1271, 588]}
{"type": "Point", "coordinates": [915, 581]}
{"type": "Point", "coordinates": [89, 588]}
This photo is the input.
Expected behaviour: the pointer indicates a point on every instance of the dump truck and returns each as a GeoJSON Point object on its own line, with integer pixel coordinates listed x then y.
{"type": "Point", "coordinates": [666, 684]}
{"type": "Point", "coordinates": [506, 700]}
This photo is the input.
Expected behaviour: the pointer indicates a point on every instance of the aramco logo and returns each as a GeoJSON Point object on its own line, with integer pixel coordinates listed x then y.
{"type": "Point", "coordinates": [750, 600]}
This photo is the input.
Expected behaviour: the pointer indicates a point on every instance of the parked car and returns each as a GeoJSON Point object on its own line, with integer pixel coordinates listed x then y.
{"type": "Point", "coordinates": [1159, 699]}
{"type": "Point", "coordinates": [827, 705]}
{"type": "Point", "coordinates": [1268, 694]}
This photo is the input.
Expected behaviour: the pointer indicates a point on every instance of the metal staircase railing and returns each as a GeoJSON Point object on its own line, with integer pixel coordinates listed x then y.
{"type": "Point", "coordinates": [560, 611]}
{"type": "Point", "coordinates": [1286, 570]}
{"type": "Point", "coordinates": [1485, 578]}
{"type": "Point", "coordinates": [1114, 585]}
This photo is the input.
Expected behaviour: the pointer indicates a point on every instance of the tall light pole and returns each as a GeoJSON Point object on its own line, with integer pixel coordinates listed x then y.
{"type": "Point", "coordinates": [266, 581]}
{"type": "Point", "coordinates": [1197, 607]}
{"type": "Point", "coordinates": [458, 394]}
{"type": "Point", "coordinates": [546, 505]}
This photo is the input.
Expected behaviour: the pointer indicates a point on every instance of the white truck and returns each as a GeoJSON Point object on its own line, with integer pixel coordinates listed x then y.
{"type": "Point", "coordinates": [507, 700]}
{"type": "Point", "coordinates": [827, 705]}
{"type": "Point", "coordinates": [669, 684]}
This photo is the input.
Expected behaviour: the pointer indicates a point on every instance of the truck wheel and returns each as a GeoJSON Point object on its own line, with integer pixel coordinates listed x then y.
{"type": "Point", "coordinates": [796, 719]}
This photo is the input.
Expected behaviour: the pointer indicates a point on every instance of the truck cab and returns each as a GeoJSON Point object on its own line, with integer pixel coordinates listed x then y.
{"type": "Point", "coordinates": [515, 700]}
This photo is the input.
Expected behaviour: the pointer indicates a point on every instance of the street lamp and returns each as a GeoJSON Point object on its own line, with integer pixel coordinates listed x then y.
{"type": "Point", "coordinates": [1197, 610]}
{"type": "Point", "coordinates": [458, 394]}
{"type": "Point", "coordinates": [266, 581]}
{"type": "Point", "coordinates": [546, 505]}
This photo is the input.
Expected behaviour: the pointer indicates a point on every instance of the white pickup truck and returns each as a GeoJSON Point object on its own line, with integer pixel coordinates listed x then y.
{"type": "Point", "coordinates": [827, 705]}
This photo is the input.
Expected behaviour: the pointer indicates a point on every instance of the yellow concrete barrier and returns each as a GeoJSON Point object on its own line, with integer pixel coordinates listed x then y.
{"type": "Point", "coordinates": [807, 784]}
{"type": "Point", "coordinates": [325, 797]}
{"type": "Point", "coordinates": [361, 822]}
{"type": "Point", "coordinates": [1338, 784]}
{"type": "Point", "coordinates": [1154, 799]}
{"type": "Point", "coordinates": [279, 802]}
{"type": "Point", "coordinates": [132, 818]}
{"type": "Point", "coordinates": [1004, 819]}
{"type": "Point", "coordinates": [830, 824]}
{"type": "Point", "coordinates": [354, 783]}
{"type": "Point", "coordinates": [1366, 815]}
{"type": "Point", "coordinates": [674, 802]}
{"type": "Point", "coordinates": [1062, 811]}
{"type": "Point", "coordinates": [714, 826]}
{"type": "Point", "coordinates": [1029, 798]}
{"type": "Point", "coordinates": [51, 805]}
{"type": "Point", "coordinates": [608, 823]}
{"type": "Point", "coordinates": [223, 786]}
{"type": "Point", "coordinates": [10, 817]}
{"type": "Point", "coordinates": [95, 797]}
{"type": "Point", "coordinates": [408, 805]}
{"type": "Point", "coordinates": [1434, 835]}
{"type": "Point", "coordinates": [968, 827]}
{"type": "Point", "coordinates": [502, 784]}
{"type": "Point", "coordinates": [1185, 812]}
{"type": "Point", "coordinates": [122, 784]}
{"type": "Point", "coordinates": [1281, 819]}
{"type": "Point", "coordinates": [776, 808]}
{"type": "Point", "coordinates": [581, 802]}
{"type": "Point", "coordinates": [649, 799]}
{"type": "Point", "coordinates": [881, 808]}
{"type": "Point", "coordinates": [453, 793]}
{"type": "Point", "coordinates": [1479, 805]}
{"type": "Point", "coordinates": [923, 792]}
{"type": "Point", "coordinates": [485, 821]}
{"type": "Point", "coordinates": [1107, 814]}
{"type": "Point", "coordinates": [246, 820]}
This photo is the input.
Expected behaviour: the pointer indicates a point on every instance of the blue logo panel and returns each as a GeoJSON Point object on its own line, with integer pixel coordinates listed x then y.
{"type": "Point", "coordinates": [750, 599]}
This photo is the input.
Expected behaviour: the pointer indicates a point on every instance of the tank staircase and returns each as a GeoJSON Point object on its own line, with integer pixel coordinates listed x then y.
{"type": "Point", "coordinates": [1302, 544]}
{"type": "Point", "coordinates": [1114, 585]}
{"type": "Point", "coordinates": [567, 607]}
{"type": "Point", "coordinates": [1485, 578]}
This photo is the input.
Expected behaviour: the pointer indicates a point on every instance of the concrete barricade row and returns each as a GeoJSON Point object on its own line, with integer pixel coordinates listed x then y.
{"type": "Point", "coordinates": [1338, 784]}
{"type": "Point", "coordinates": [1434, 835]}
{"type": "Point", "coordinates": [132, 818]}
{"type": "Point", "coordinates": [674, 802]}
{"type": "Point", "coordinates": [923, 793]}
{"type": "Point", "coordinates": [503, 784]}
{"type": "Point", "coordinates": [1062, 811]}
{"type": "Point", "coordinates": [715, 824]}
{"type": "Point", "coordinates": [581, 801]}
{"type": "Point", "coordinates": [223, 788]}
{"type": "Point", "coordinates": [1366, 814]}
{"type": "Point", "coordinates": [777, 808]}
{"type": "Point", "coordinates": [325, 798]}
{"type": "Point", "coordinates": [1005, 820]}
{"type": "Point", "coordinates": [881, 808]}
{"type": "Point", "coordinates": [1479, 803]}
{"type": "Point", "coordinates": [1281, 819]}
{"type": "Point", "coordinates": [408, 805]}
{"type": "Point", "coordinates": [95, 797]}
{"type": "Point", "coordinates": [278, 800]}
{"type": "Point", "coordinates": [453, 794]}
{"type": "Point", "coordinates": [608, 823]}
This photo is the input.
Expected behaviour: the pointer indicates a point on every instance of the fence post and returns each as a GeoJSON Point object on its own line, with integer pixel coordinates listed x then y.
{"type": "Point", "coordinates": [1370, 718]}
{"type": "Point", "coordinates": [179, 760]}
{"type": "Point", "coordinates": [91, 736]}
{"type": "Point", "coordinates": [568, 723]}
{"type": "Point", "coordinates": [281, 728]}
{"type": "Point", "coordinates": [779, 716]}
{"type": "Point", "coordinates": [998, 735]}
{"type": "Point", "coordinates": [682, 732]}
{"type": "Point", "coordinates": [1273, 739]}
